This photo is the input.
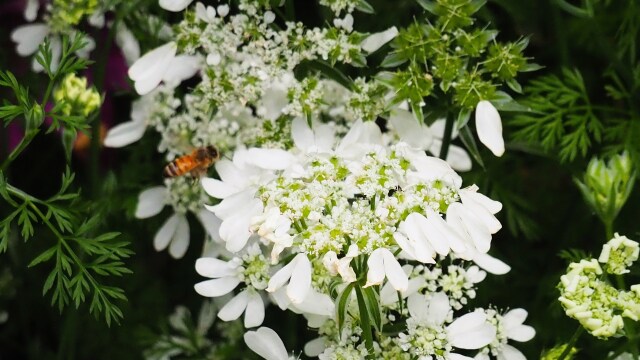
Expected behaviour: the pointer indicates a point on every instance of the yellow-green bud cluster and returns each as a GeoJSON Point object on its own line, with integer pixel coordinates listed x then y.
{"type": "Point", "coordinates": [618, 254]}
{"type": "Point", "coordinates": [75, 97]}
{"type": "Point", "coordinates": [607, 185]}
{"type": "Point", "coordinates": [597, 305]}
{"type": "Point", "coordinates": [68, 13]}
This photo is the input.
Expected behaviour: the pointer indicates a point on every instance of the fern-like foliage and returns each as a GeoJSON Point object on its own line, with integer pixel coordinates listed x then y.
{"type": "Point", "coordinates": [564, 119]}
{"type": "Point", "coordinates": [80, 258]}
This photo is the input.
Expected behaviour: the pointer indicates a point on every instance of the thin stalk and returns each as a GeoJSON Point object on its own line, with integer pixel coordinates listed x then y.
{"type": "Point", "coordinates": [448, 131]}
{"type": "Point", "coordinates": [94, 163]}
{"type": "Point", "coordinates": [608, 230]}
{"type": "Point", "coordinates": [365, 323]}
{"type": "Point", "coordinates": [26, 140]}
{"type": "Point", "coordinates": [571, 343]}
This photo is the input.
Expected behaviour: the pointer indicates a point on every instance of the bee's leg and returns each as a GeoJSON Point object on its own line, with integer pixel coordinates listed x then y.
{"type": "Point", "coordinates": [196, 174]}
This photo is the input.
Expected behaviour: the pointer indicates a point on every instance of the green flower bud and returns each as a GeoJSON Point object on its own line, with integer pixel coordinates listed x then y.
{"type": "Point", "coordinates": [555, 352]}
{"type": "Point", "coordinates": [75, 98]}
{"type": "Point", "coordinates": [470, 89]}
{"type": "Point", "coordinates": [607, 186]}
{"type": "Point", "coordinates": [453, 14]}
{"type": "Point", "coordinates": [68, 13]}
{"type": "Point", "coordinates": [505, 61]}
{"type": "Point", "coordinates": [618, 254]}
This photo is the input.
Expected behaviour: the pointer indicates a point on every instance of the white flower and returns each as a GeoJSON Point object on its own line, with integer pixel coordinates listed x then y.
{"type": "Point", "coordinates": [489, 127]}
{"type": "Point", "coordinates": [383, 264]}
{"type": "Point", "coordinates": [162, 64]}
{"type": "Point", "coordinates": [226, 276]}
{"type": "Point", "coordinates": [131, 131]}
{"type": "Point", "coordinates": [174, 233]}
{"type": "Point", "coordinates": [298, 274]}
{"type": "Point", "coordinates": [342, 266]}
{"type": "Point", "coordinates": [510, 327]}
{"type": "Point", "coordinates": [411, 130]}
{"type": "Point", "coordinates": [375, 41]}
{"type": "Point", "coordinates": [4, 316]}
{"type": "Point", "coordinates": [175, 5]}
{"type": "Point", "coordinates": [266, 343]}
{"type": "Point", "coordinates": [470, 331]}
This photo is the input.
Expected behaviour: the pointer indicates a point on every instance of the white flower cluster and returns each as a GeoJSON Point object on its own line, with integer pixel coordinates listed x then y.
{"type": "Point", "coordinates": [588, 298]}
{"type": "Point", "coordinates": [347, 211]}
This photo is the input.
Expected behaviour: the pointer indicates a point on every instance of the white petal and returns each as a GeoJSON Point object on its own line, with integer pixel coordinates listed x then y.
{"type": "Point", "coordinates": [174, 5]}
{"type": "Point", "coordinates": [459, 159]}
{"type": "Point", "coordinates": [410, 129]}
{"type": "Point", "coordinates": [280, 277]}
{"type": "Point", "coordinates": [316, 304]}
{"type": "Point", "coordinates": [181, 68]}
{"type": "Point", "coordinates": [438, 228]}
{"type": "Point", "coordinates": [439, 308]}
{"type": "Point", "coordinates": [300, 282]}
{"type": "Point", "coordinates": [522, 333]}
{"type": "Point", "coordinates": [151, 202]}
{"type": "Point", "coordinates": [301, 133]}
{"type": "Point", "coordinates": [272, 159]}
{"type": "Point", "coordinates": [148, 71]}
{"type": "Point", "coordinates": [489, 127]}
{"type": "Point", "coordinates": [211, 224]}
{"type": "Point", "coordinates": [470, 223]}
{"type": "Point", "coordinates": [471, 331]}
{"type": "Point", "coordinates": [255, 311]}
{"type": "Point", "coordinates": [125, 134]}
{"type": "Point", "coordinates": [180, 240]}
{"type": "Point", "coordinates": [165, 233]}
{"type": "Point", "coordinates": [31, 10]}
{"type": "Point", "coordinates": [216, 287]}
{"type": "Point", "coordinates": [491, 264]}
{"type": "Point", "coordinates": [215, 268]}
{"type": "Point", "coordinates": [432, 235]}
{"type": "Point", "coordinates": [481, 356]}
{"type": "Point", "coordinates": [454, 356]}
{"type": "Point", "coordinates": [514, 318]}
{"type": "Point", "coordinates": [510, 353]}
{"type": "Point", "coordinates": [375, 41]}
{"type": "Point", "coordinates": [480, 211]}
{"type": "Point", "coordinates": [418, 308]}
{"type": "Point", "coordinates": [232, 204]}
{"type": "Point", "coordinates": [97, 19]}
{"type": "Point", "coordinates": [235, 307]}
{"type": "Point", "coordinates": [315, 347]}
{"type": "Point", "coordinates": [438, 127]}
{"type": "Point", "coordinates": [375, 263]}
{"type": "Point", "coordinates": [394, 272]}
{"type": "Point", "coordinates": [29, 37]}
{"type": "Point", "coordinates": [266, 343]}
{"type": "Point", "coordinates": [489, 204]}
{"type": "Point", "coordinates": [217, 189]}
{"type": "Point", "coordinates": [127, 43]}
{"type": "Point", "coordinates": [235, 232]}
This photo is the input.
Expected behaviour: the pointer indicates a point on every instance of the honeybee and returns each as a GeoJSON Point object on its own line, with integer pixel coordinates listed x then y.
{"type": "Point", "coordinates": [195, 163]}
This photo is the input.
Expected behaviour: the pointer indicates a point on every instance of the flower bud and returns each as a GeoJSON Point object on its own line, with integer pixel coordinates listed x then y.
{"type": "Point", "coordinates": [606, 186]}
{"type": "Point", "coordinates": [75, 97]}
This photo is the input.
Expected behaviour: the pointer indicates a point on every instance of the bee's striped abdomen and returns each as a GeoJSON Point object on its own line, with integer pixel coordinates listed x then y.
{"type": "Point", "coordinates": [179, 166]}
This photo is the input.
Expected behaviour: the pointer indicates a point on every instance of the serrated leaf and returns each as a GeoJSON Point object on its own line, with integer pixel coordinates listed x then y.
{"type": "Point", "coordinates": [45, 256]}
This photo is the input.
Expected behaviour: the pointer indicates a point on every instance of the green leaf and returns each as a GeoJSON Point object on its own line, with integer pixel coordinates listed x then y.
{"type": "Point", "coordinates": [514, 85]}
{"type": "Point", "coordinates": [365, 7]}
{"type": "Point", "coordinates": [342, 305]}
{"type": "Point", "coordinates": [330, 72]}
{"type": "Point", "coordinates": [45, 256]}
{"type": "Point", "coordinates": [372, 301]}
{"type": "Point", "coordinates": [430, 6]}
{"type": "Point", "coordinates": [393, 59]}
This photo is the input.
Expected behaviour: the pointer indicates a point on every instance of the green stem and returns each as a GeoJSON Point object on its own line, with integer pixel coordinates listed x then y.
{"type": "Point", "coordinates": [26, 140]}
{"type": "Point", "coordinates": [571, 343]}
{"type": "Point", "coordinates": [290, 10]}
{"type": "Point", "coordinates": [446, 140]}
{"type": "Point", "coordinates": [608, 229]}
{"type": "Point", "coordinates": [365, 324]}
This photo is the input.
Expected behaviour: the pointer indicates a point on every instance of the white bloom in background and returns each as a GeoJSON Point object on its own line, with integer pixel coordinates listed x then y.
{"type": "Point", "coordinates": [174, 233]}
{"type": "Point", "coordinates": [162, 64]}
{"type": "Point", "coordinates": [410, 130]}
{"type": "Point", "coordinates": [127, 43]}
{"type": "Point", "coordinates": [427, 334]}
{"type": "Point", "coordinates": [266, 343]}
{"type": "Point", "coordinates": [131, 131]}
{"type": "Point", "coordinates": [227, 275]}
{"type": "Point", "coordinates": [489, 127]}
{"type": "Point", "coordinates": [4, 316]}
{"type": "Point", "coordinates": [175, 5]}
{"type": "Point", "coordinates": [509, 327]}
{"type": "Point", "coordinates": [457, 156]}
{"type": "Point", "coordinates": [31, 10]}
{"type": "Point", "coordinates": [375, 41]}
